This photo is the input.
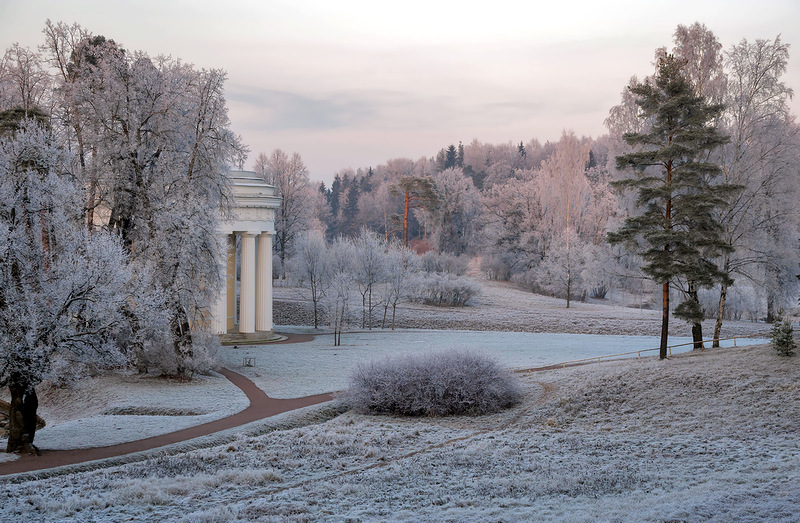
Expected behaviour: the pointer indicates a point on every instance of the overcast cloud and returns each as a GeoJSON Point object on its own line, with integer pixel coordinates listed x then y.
{"type": "Point", "coordinates": [354, 83]}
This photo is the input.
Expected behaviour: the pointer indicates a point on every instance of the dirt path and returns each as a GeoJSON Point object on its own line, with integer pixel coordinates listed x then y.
{"type": "Point", "coordinates": [261, 406]}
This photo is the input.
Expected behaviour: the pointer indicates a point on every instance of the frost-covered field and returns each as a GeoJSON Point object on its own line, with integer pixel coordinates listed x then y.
{"type": "Point", "coordinates": [501, 306]}
{"type": "Point", "coordinates": [290, 371]}
{"type": "Point", "coordinates": [701, 436]}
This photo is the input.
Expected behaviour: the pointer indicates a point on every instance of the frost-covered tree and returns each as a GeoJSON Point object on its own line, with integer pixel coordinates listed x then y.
{"type": "Point", "coordinates": [369, 269]}
{"type": "Point", "coordinates": [23, 81]}
{"type": "Point", "coordinates": [457, 213]}
{"type": "Point", "coordinates": [341, 260]}
{"type": "Point", "coordinates": [762, 156]}
{"type": "Point", "coordinates": [310, 267]}
{"type": "Point", "coordinates": [290, 176]}
{"type": "Point", "coordinates": [62, 291]}
{"type": "Point", "coordinates": [415, 192]}
{"type": "Point", "coordinates": [401, 264]}
{"type": "Point", "coordinates": [676, 231]}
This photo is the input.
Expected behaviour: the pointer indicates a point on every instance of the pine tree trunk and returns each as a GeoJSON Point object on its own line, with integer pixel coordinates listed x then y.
{"type": "Point", "coordinates": [697, 325]}
{"type": "Point", "coordinates": [22, 418]}
{"type": "Point", "coordinates": [662, 353]}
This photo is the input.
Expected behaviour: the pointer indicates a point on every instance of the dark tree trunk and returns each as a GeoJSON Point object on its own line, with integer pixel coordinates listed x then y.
{"type": "Point", "coordinates": [182, 342]}
{"type": "Point", "coordinates": [770, 308]}
{"type": "Point", "coordinates": [662, 353]}
{"type": "Point", "coordinates": [22, 418]}
{"type": "Point", "coordinates": [697, 325]}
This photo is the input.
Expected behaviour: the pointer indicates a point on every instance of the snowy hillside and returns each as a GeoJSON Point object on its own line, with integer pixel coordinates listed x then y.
{"type": "Point", "coordinates": [707, 435]}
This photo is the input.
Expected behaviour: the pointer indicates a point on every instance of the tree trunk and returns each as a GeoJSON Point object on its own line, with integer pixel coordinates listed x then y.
{"type": "Point", "coordinates": [770, 307]}
{"type": "Point", "coordinates": [697, 325]}
{"type": "Point", "coordinates": [569, 285]}
{"type": "Point", "coordinates": [369, 311]}
{"type": "Point", "coordinates": [406, 204]}
{"type": "Point", "coordinates": [182, 342]}
{"type": "Point", "coordinates": [662, 354]}
{"type": "Point", "coordinates": [22, 418]}
{"type": "Point", "coordinates": [723, 295]}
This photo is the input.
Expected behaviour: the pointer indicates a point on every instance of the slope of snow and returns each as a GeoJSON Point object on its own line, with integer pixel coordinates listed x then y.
{"type": "Point", "coordinates": [701, 436]}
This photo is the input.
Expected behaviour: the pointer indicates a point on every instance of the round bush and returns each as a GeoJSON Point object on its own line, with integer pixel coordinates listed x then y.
{"type": "Point", "coordinates": [438, 384]}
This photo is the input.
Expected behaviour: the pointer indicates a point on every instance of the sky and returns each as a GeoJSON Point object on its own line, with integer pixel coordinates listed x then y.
{"type": "Point", "coordinates": [351, 83]}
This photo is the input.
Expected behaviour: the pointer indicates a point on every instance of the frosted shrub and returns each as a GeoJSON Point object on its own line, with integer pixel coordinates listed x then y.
{"type": "Point", "coordinates": [439, 384]}
{"type": "Point", "coordinates": [442, 262]}
{"type": "Point", "coordinates": [443, 290]}
{"type": "Point", "coordinates": [783, 337]}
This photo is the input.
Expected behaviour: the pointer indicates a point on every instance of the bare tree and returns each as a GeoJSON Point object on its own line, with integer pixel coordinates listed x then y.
{"type": "Point", "coordinates": [290, 176]}
{"type": "Point", "coordinates": [23, 81]}
{"type": "Point", "coordinates": [762, 158]}
{"type": "Point", "coordinates": [369, 269]}
{"type": "Point", "coordinates": [311, 267]}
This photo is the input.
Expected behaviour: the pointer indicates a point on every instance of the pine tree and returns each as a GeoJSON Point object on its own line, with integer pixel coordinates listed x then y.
{"type": "Point", "coordinates": [676, 233]}
{"type": "Point", "coordinates": [783, 337]}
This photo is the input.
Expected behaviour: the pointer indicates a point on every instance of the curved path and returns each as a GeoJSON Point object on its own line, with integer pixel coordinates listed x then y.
{"type": "Point", "coordinates": [261, 406]}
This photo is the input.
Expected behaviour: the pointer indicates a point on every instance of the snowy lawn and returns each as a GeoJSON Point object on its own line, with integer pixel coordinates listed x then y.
{"type": "Point", "coordinates": [115, 409]}
{"type": "Point", "coordinates": [293, 370]}
{"type": "Point", "coordinates": [701, 436]}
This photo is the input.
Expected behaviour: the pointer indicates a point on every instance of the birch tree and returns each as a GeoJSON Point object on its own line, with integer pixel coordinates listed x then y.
{"type": "Point", "coordinates": [761, 157]}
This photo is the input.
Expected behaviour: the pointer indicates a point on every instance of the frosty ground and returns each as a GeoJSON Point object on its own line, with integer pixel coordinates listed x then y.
{"type": "Point", "coordinates": [699, 436]}
{"type": "Point", "coordinates": [709, 435]}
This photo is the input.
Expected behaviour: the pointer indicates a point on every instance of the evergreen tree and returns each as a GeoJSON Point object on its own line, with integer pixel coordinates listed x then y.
{"type": "Point", "coordinates": [460, 155]}
{"type": "Point", "coordinates": [333, 202]}
{"type": "Point", "coordinates": [350, 212]}
{"type": "Point", "coordinates": [416, 192]}
{"type": "Point", "coordinates": [783, 337]}
{"type": "Point", "coordinates": [451, 157]}
{"type": "Point", "coordinates": [677, 233]}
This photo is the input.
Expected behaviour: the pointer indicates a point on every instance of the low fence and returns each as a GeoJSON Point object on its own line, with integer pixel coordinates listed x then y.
{"type": "Point", "coordinates": [620, 355]}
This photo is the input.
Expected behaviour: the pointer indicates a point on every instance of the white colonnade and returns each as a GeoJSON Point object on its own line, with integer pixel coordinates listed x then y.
{"type": "Point", "coordinates": [253, 222]}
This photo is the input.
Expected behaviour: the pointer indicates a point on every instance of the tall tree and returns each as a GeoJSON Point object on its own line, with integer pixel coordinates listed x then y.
{"type": "Point", "coordinates": [290, 176]}
{"type": "Point", "coordinates": [23, 81]}
{"type": "Point", "coordinates": [676, 232]}
{"type": "Point", "coordinates": [416, 192]}
{"type": "Point", "coordinates": [762, 157]}
{"type": "Point", "coordinates": [164, 144]}
{"type": "Point", "coordinates": [310, 268]}
{"type": "Point", "coordinates": [565, 195]}
{"type": "Point", "coordinates": [61, 290]}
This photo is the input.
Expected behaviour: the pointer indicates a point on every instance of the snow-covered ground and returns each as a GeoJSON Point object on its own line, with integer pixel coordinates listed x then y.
{"type": "Point", "coordinates": [113, 409]}
{"type": "Point", "coordinates": [501, 306]}
{"type": "Point", "coordinates": [295, 370]}
{"type": "Point", "coordinates": [701, 436]}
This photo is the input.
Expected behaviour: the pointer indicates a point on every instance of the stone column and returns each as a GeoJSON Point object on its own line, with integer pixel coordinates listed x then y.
{"type": "Point", "coordinates": [230, 284]}
{"type": "Point", "coordinates": [264, 283]}
{"type": "Point", "coordinates": [221, 307]}
{"type": "Point", "coordinates": [247, 289]}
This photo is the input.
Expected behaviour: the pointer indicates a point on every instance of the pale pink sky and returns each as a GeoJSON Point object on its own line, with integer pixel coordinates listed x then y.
{"type": "Point", "coordinates": [354, 83]}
